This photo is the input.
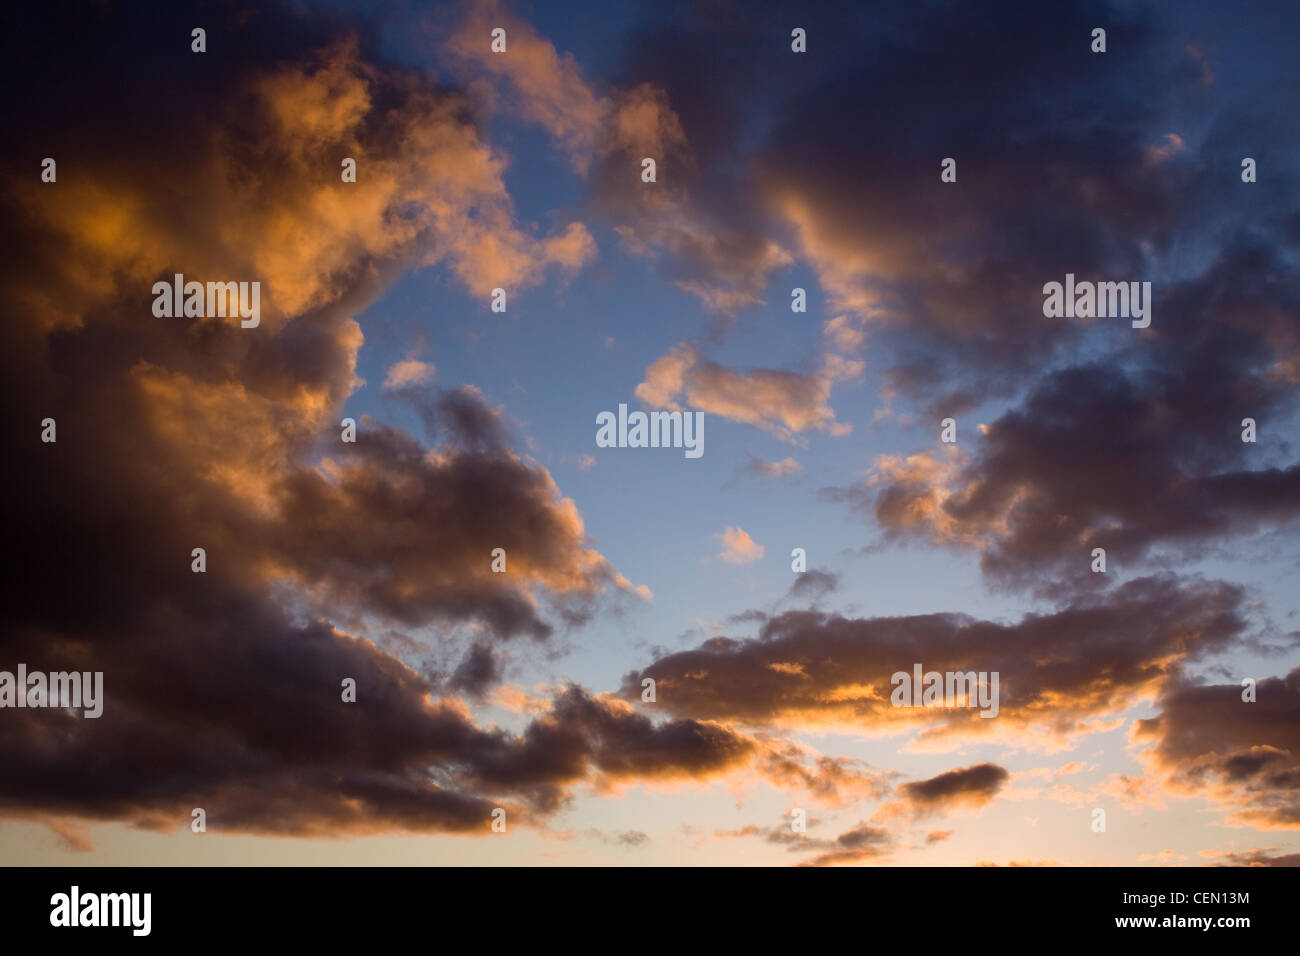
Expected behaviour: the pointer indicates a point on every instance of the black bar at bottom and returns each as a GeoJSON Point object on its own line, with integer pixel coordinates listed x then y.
{"type": "Point", "coordinates": [539, 908]}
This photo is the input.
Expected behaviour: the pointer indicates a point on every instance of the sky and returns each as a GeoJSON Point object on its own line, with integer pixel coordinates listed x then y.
{"type": "Point", "coordinates": [358, 676]}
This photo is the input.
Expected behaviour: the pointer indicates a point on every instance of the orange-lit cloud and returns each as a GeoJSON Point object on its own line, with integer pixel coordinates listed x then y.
{"type": "Point", "coordinates": [783, 403]}
{"type": "Point", "coordinates": [738, 547]}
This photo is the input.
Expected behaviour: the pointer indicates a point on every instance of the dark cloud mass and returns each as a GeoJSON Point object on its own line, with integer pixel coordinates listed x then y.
{"type": "Point", "coordinates": [1093, 656]}
{"type": "Point", "coordinates": [1244, 754]}
{"type": "Point", "coordinates": [1101, 456]}
{"type": "Point", "coordinates": [182, 433]}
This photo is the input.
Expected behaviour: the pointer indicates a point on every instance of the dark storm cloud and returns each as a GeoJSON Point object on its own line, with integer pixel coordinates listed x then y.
{"type": "Point", "coordinates": [1243, 755]}
{"type": "Point", "coordinates": [1124, 165]}
{"type": "Point", "coordinates": [1091, 657]}
{"type": "Point", "coordinates": [1103, 455]}
{"type": "Point", "coordinates": [248, 723]}
{"type": "Point", "coordinates": [393, 530]}
{"type": "Point", "coordinates": [1068, 161]}
{"type": "Point", "coordinates": [242, 714]}
{"type": "Point", "coordinates": [614, 741]}
{"type": "Point", "coordinates": [223, 689]}
{"type": "Point", "coordinates": [855, 177]}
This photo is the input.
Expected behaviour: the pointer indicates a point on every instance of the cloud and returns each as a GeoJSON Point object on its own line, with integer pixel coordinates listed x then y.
{"type": "Point", "coordinates": [832, 781]}
{"type": "Point", "coordinates": [1018, 863]}
{"type": "Point", "coordinates": [536, 82]}
{"type": "Point", "coordinates": [1263, 856]}
{"type": "Point", "coordinates": [863, 842]}
{"type": "Point", "coordinates": [813, 584]}
{"type": "Point", "coordinates": [1114, 438]}
{"type": "Point", "coordinates": [607, 743]}
{"type": "Point", "coordinates": [389, 527]}
{"type": "Point", "coordinates": [946, 276]}
{"type": "Point", "coordinates": [71, 837]}
{"type": "Point", "coordinates": [780, 402]}
{"type": "Point", "coordinates": [1243, 756]}
{"type": "Point", "coordinates": [623, 838]}
{"type": "Point", "coordinates": [769, 469]}
{"type": "Point", "coordinates": [1096, 456]}
{"type": "Point", "coordinates": [409, 372]}
{"type": "Point", "coordinates": [1173, 145]}
{"type": "Point", "coordinates": [604, 137]}
{"type": "Point", "coordinates": [223, 689]}
{"type": "Point", "coordinates": [1059, 672]}
{"type": "Point", "coordinates": [738, 547]}
{"type": "Point", "coordinates": [428, 189]}
{"type": "Point", "coordinates": [846, 333]}
{"type": "Point", "coordinates": [541, 85]}
{"type": "Point", "coordinates": [478, 673]}
{"type": "Point", "coordinates": [967, 787]}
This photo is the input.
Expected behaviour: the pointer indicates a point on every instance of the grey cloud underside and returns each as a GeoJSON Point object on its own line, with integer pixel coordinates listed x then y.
{"type": "Point", "coordinates": [1089, 656]}
{"type": "Point", "coordinates": [1208, 739]}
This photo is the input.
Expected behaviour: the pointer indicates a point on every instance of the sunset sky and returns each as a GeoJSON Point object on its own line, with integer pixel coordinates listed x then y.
{"type": "Point", "coordinates": [776, 170]}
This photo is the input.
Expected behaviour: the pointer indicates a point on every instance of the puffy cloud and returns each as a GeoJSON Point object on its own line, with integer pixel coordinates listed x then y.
{"type": "Point", "coordinates": [738, 547]}
{"type": "Point", "coordinates": [606, 137]}
{"type": "Point", "coordinates": [409, 372]}
{"type": "Point", "coordinates": [541, 84]}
